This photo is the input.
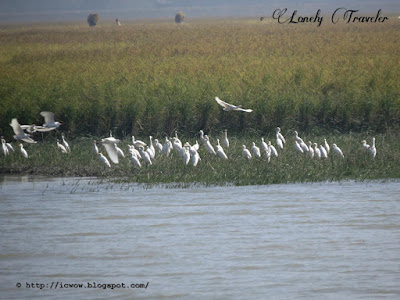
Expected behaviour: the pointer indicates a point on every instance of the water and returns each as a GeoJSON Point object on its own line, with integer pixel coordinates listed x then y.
{"type": "Point", "coordinates": [294, 241]}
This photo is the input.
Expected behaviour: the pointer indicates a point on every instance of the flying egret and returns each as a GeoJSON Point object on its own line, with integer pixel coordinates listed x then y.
{"type": "Point", "coordinates": [29, 128]}
{"type": "Point", "coordinates": [64, 142]}
{"type": "Point", "coordinates": [225, 141]}
{"type": "Point", "coordinates": [272, 149]}
{"type": "Point", "coordinates": [246, 152]}
{"type": "Point", "coordinates": [108, 144]}
{"type": "Point", "coordinates": [337, 150]}
{"type": "Point", "coordinates": [104, 160]}
{"type": "Point", "coordinates": [229, 107]}
{"type": "Point", "coordinates": [220, 151]}
{"type": "Point", "coordinates": [19, 133]}
{"type": "Point", "coordinates": [61, 147]}
{"type": "Point", "coordinates": [49, 122]}
{"type": "Point", "coordinates": [23, 151]}
{"type": "Point", "coordinates": [372, 151]}
{"type": "Point", "coordinates": [279, 135]}
{"type": "Point", "coordinates": [255, 150]}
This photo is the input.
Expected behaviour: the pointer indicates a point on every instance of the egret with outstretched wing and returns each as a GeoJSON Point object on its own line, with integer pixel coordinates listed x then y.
{"type": "Point", "coordinates": [229, 107]}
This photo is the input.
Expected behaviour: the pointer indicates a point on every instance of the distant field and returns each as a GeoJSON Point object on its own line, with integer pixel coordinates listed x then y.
{"type": "Point", "coordinates": [151, 78]}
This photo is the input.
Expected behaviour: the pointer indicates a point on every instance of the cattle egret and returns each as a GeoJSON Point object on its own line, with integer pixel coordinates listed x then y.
{"type": "Point", "coordinates": [231, 107]}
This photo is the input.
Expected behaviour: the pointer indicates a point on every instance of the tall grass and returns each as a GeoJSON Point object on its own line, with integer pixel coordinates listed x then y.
{"type": "Point", "coordinates": [152, 78]}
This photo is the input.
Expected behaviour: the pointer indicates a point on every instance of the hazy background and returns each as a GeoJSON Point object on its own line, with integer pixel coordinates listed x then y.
{"type": "Point", "coordinates": [64, 10]}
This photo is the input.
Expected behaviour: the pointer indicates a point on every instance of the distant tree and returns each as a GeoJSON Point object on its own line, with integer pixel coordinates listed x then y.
{"type": "Point", "coordinates": [93, 19]}
{"type": "Point", "coordinates": [179, 17]}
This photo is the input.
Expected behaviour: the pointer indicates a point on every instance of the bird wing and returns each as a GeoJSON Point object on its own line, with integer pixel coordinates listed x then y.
{"type": "Point", "coordinates": [223, 103]}
{"type": "Point", "coordinates": [112, 152]}
{"type": "Point", "coordinates": [16, 127]}
{"type": "Point", "coordinates": [43, 129]}
{"type": "Point", "coordinates": [48, 117]}
{"type": "Point", "coordinates": [28, 140]}
{"type": "Point", "coordinates": [243, 109]}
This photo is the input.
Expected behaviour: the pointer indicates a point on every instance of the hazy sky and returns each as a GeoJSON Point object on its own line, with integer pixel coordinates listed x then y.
{"type": "Point", "coordinates": [42, 10]}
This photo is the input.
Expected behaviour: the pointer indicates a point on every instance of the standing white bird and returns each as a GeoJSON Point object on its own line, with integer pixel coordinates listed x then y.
{"type": "Point", "coordinates": [151, 149]}
{"type": "Point", "coordinates": [324, 153]}
{"type": "Point", "coordinates": [138, 143]}
{"type": "Point", "coordinates": [264, 146]}
{"type": "Point", "coordinates": [310, 149]}
{"type": "Point", "coordinates": [158, 146]}
{"type": "Point", "coordinates": [365, 145]}
{"type": "Point", "coordinates": [195, 157]}
{"type": "Point", "coordinates": [372, 151]}
{"type": "Point", "coordinates": [317, 151]}
{"type": "Point", "coordinates": [95, 148]}
{"type": "Point", "coordinates": [272, 149]}
{"type": "Point", "coordinates": [23, 151]}
{"type": "Point", "coordinates": [145, 156]}
{"type": "Point", "coordinates": [64, 142]}
{"type": "Point", "coordinates": [119, 151]}
{"type": "Point", "coordinates": [220, 151]}
{"type": "Point", "coordinates": [229, 107]}
{"type": "Point", "coordinates": [255, 150]}
{"type": "Point", "coordinates": [61, 147]}
{"type": "Point", "coordinates": [176, 144]}
{"type": "Point", "coordinates": [104, 160]}
{"type": "Point", "coordinates": [135, 160]}
{"type": "Point", "coordinates": [298, 147]}
{"type": "Point", "coordinates": [202, 138]}
{"type": "Point", "coordinates": [279, 142]}
{"type": "Point", "coordinates": [208, 146]}
{"type": "Point", "coordinates": [108, 144]}
{"type": "Point", "coordinates": [49, 122]}
{"type": "Point", "coordinates": [337, 150]}
{"type": "Point", "coordinates": [177, 140]}
{"type": "Point", "coordinates": [225, 141]}
{"type": "Point", "coordinates": [19, 133]}
{"type": "Point", "coordinates": [327, 148]}
{"type": "Point", "coordinates": [246, 152]}
{"type": "Point", "coordinates": [186, 154]}
{"type": "Point", "coordinates": [279, 135]}
{"type": "Point", "coordinates": [4, 146]}
{"type": "Point", "coordinates": [166, 149]}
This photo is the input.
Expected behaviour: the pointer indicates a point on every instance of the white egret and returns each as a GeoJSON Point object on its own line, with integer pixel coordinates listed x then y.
{"type": "Point", "coordinates": [324, 153]}
{"type": "Point", "coordinates": [4, 147]}
{"type": "Point", "coordinates": [119, 151]}
{"type": "Point", "coordinates": [176, 144]}
{"type": "Point", "coordinates": [301, 143]}
{"type": "Point", "coordinates": [310, 149]}
{"type": "Point", "coordinates": [186, 154]}
{"type": "Point", "coordinates": [138, 143]}
{"type": "Point", "coordinates": [272, 149]}
{"type": "Point", "coordinates": [298, 139]}
{"type": "Point", "coordinates": [104, 160]}
{"type": "Point", "coordinates": [220, 151]}
{"type": "Point", "coordinates": [202, 138]}
{"type": "Point", "coordinates": [372, 151]}
{"type": "Point", "coordinates": [177, 140]}
{"type": "Point", "coordinates": [65, 143]}
{"type": "Point", "coordinates": [317, 151]}
{"type": "Point", "coordinates": [108, 144]}
{"type": "Point", "coordinates": [61, 147]}
{"type": "Point", "coordinates": [246, 152]}
{"type": "Point", "coordinates": [264, 146]}
{"type": "Point", "coordinates": [23, 151]}
{"type": "Point", "coordinates": [279, 135]}
{"type": "Point", "coordinates": [195, 157]}
{"type": "Point", "coordinates": [208, 146]}
{"type": "Point", "coordinates": [135, 160]}
{"type": "Point", "coordinates": [166, 149]}
{"type": "Point", "coordinates": [145, 156]}
{"type": "Point", "coordinates": [231, 107]}
{"type": "Point", "coordinates": [151, 149]}
{"type": "Point", "coordinates": [279, 142]}
{"type": "Point", "coordinates": [196, 146]}
{"type": "Point", "coordinates": [95, 148]}
{"type": "Point", "coordinates": [49, 122]}
{"type": "Point", "coordinates": [158, 146]}
{"type": "Point", "coordinates": [298, 147]}
{"type": "Point", "coordinates": [327, 148]}
{"type": "Point", "coordinates": [19, 133]}
{"type": "Point", "coordinates": [337, 150]}
{"type": "Point", "coordinates": [366, 146]}
{"type": "Point", "coordinates": [225, 141]}
{"type": "Point", "coordinates": [255, 150]}
{"type": "Point", "coordinates": [134, 151]}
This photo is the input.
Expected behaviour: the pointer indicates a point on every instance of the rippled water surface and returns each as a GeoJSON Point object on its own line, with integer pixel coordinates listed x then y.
{"type": "Point", "coordinates": [296, 241]}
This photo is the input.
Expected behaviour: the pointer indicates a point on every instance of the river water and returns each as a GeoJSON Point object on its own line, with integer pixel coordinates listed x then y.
{"type": "Point", "coordinates": [82, 238]}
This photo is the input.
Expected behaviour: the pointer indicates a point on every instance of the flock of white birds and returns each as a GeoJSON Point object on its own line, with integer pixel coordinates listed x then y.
{"type": "Point", "coordinates": [143, 153]}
